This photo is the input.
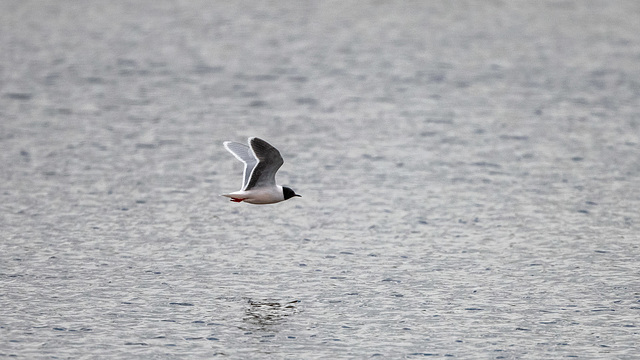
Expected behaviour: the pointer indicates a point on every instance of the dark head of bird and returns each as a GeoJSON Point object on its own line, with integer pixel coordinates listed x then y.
{"type": "Point", "coordinates": [288, 193]}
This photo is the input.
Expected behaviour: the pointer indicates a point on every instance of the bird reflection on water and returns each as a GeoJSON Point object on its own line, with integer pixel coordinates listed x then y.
{"type": "Point", "coordinates": [269, 313]}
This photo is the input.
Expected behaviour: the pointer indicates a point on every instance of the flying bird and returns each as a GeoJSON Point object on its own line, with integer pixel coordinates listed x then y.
{"type": "Point", "coordinates": [261, 162]}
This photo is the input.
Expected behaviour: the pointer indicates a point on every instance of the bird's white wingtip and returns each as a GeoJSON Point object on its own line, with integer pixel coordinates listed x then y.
{"type": "Point", "coordinates": [227, 146]}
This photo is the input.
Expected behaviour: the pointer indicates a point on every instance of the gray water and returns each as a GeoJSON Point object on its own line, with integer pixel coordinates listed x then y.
{"type": "Point", "coordinates": [469, 171]}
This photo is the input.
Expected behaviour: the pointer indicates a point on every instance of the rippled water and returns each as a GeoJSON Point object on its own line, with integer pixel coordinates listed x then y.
{"type": "Point", "coordinates": [469, 174]}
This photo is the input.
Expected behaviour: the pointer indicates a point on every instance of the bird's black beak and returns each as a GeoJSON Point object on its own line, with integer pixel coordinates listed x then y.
{"type": "Point", "coordinates": [298, 195]}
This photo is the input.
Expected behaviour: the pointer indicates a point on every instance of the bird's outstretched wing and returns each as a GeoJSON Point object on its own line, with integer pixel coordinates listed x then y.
{"type": "Point", "coordinates": [269, 161]}
{"type": "Point", "coordinates": [244, 154]}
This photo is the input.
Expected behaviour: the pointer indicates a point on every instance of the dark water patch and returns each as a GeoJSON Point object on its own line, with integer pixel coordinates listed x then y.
{"type": "Point", "coordinates": [264, 77]}
{"type": "Point", "coordinates": [372, 157]}
{"type": "Point", "coordinates": [126, 62]}
{"type": "Point", "coordinates": [59, 111]}
{"type": "Point", "coordinates": [18, 96]}
{"type": "Point", "coordinates": [181, 304]}
{"type": "Point", "coordinates": [486, 164]}
{"type": "Point", "coordinates": [51, 79]}
{"type": "Point", "coordinates": [258, 103]}
{"type": "Point", "coordinates": [514, 137]}
{"type": "Point", "coordinates": [306, 101]}
{"type": "Point", "coordinates": [136, 344]}
{"type": "Point", "coordinates": [384, 99]}
{"type": "Point", "coordinates": [298, 79]}
{"type": "Point", "coordinates": [424, 354]}
{"type": "Point", "coordinates": [94, 80]}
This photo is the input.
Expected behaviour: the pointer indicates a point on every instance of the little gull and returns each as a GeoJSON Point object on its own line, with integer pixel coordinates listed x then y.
{"type": "Point", "coordinates": [261, 162]}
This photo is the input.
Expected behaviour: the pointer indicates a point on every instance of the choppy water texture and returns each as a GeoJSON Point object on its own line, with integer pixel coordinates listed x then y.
{"type": "Point", "coordinates": [470, 176]}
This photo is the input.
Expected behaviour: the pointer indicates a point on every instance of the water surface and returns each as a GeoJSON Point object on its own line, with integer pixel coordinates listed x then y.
{"type": "Point", "coordinates": [469, 176]}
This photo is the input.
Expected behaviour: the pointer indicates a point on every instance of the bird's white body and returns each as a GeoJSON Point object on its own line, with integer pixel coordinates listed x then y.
{"type": "Point", "coordinates": [268, 195]}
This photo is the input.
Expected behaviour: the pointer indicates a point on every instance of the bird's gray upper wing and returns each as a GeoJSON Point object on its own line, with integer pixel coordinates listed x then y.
{"type": "Point", "coordinates": [269, 161]}
{"type": "Point", "coordinates": [244, 154]}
